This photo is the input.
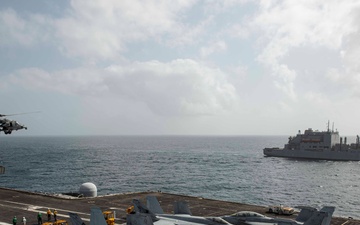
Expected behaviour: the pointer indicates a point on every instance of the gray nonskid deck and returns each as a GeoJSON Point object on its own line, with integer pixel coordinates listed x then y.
{"type": "Point", "coordinates": [21, 203]}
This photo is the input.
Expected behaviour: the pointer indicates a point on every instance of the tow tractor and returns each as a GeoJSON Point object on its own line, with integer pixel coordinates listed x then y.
{"type": "Point", "coordinates": [281, 210]}
{"type": "Point", "coordinates": [109, 217]}
{"type": "Point", "coordinates": [57, 222]}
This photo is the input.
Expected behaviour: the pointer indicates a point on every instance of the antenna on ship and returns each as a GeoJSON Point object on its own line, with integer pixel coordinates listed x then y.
{"type": "Point", "coordinates": [333, 127]}
{"type": "Point", "coordinates": [328, 126]}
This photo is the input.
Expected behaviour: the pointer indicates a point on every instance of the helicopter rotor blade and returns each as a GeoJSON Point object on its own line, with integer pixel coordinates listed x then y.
{"type": "Point", "coordinates": [2, 115]}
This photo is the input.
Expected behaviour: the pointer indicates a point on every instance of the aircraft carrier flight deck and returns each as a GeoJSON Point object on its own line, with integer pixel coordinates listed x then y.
{"type": "Point", "coordinates": [21, 203]}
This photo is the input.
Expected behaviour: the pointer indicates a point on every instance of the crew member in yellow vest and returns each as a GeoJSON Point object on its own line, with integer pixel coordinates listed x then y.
{"type": "Point", "coordinates": [55, 213]}
{"type": "Point", "coordinates": [49, 214]}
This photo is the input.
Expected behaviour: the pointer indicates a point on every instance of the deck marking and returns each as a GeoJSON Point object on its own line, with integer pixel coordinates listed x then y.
{"type": "Point", "coordinates": [33, 208]}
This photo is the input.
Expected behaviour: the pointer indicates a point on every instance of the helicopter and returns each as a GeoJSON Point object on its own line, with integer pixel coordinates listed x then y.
{"type": "Point", "coordinates": [7, 126]}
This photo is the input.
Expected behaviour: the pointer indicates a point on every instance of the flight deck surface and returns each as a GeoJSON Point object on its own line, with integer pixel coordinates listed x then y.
{"type": "Point", "coordinates": [28, 204]}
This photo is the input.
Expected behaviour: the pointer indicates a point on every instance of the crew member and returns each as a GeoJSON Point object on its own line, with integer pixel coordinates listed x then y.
{"type": "Point", "coordinates": [55, 213]}
{"type": "Point", "coordinates": [24, 220]}
{"type": "Point", "coordinates": [39, 217]}
{"type": "Point", "coordinates": [14, 220]}
{"type": "Point", "coordinates": [49, 214]}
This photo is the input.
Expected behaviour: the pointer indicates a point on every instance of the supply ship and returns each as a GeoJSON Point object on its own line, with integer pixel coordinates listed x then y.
{"type": "Point", "coordinates": [327, 145]}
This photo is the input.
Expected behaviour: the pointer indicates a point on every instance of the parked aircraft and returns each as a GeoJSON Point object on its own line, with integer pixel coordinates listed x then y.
{"type": "Point", "coordinates": [152, 214]}
{"type": "Point", "coordinates": [96, 217]}
{"type": "Point", "coordinates": [142, 215]}
{"type": "Point", "coordinates": [322, 217]}
{"type": "Point", "coordinates": [75, 219]}
{"type": "Point", "coordinates": [307, 212]}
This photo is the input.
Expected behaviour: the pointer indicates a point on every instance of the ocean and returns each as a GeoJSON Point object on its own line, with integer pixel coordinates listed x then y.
{"type": "Point", "coordinates": [230, 168]}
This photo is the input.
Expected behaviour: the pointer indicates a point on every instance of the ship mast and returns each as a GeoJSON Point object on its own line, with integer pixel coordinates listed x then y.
{"type": "Point", "coordinates": [328, 126]}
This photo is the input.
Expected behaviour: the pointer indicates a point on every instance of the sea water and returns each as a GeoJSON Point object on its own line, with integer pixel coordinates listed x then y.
{"type": "Point", "coordinates": [231, 168]}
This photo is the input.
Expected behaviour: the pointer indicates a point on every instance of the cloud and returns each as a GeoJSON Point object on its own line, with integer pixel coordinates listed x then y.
{"type": "Point", "coordinates": [287, 76]}
{"type": "Point", "coordinates": [143, 59]}
{"type": "Point", "coordinates": [180, 87]}
{"type": "Point", "coordinates": [81, 81]}
{"type": "Point", "coordinates": [217, 46]}
{"type": "Point", "coordinates": [102, 30]}
{"type": "Point", "coordinates": [22, 30]}
{"type": "Point", "coordinates": [286, 25]}
{"type": "Point", "coordinates": [98, 30]}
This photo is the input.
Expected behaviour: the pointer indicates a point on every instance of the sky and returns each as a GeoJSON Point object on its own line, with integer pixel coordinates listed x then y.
{"type": "Point", "coordinates": [189, 67]}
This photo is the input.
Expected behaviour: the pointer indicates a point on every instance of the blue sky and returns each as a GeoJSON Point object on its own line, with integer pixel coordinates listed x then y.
{"type": "Point", "coordinates": [180, 67]}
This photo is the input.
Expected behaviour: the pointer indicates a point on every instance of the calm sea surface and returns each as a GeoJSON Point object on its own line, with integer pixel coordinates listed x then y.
{"type": "Point", "coordinates": [224, 168]}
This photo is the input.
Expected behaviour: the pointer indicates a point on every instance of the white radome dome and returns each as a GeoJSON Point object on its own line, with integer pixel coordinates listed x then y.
{"type": "Point", "coordinates": [88, 190]}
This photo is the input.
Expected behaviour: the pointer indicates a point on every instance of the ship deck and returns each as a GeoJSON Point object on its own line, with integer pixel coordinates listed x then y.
{"type": "Point", "coordinates": [21, 203]}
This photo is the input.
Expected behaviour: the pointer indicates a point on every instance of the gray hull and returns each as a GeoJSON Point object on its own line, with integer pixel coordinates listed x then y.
{"type": "Point", "coordinates": [348, 155]}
